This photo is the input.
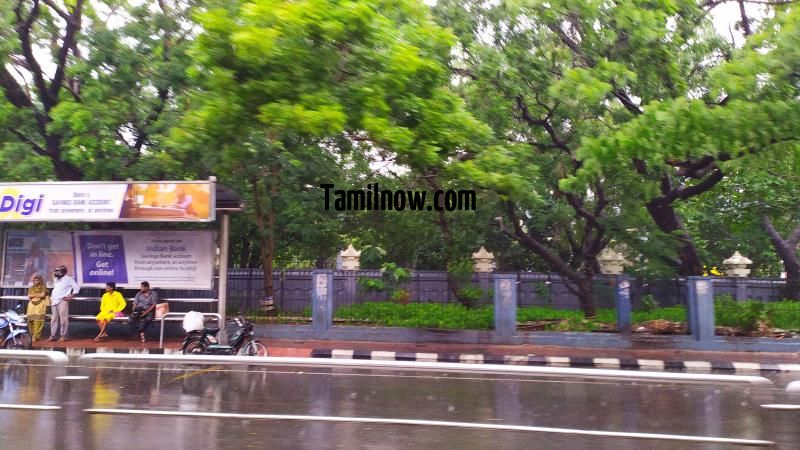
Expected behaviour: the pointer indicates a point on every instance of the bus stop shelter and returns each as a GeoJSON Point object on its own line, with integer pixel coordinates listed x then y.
{"type": "Point", "coordinates": [172, 259]}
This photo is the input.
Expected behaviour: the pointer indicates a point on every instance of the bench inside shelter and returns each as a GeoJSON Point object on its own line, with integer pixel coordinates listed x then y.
{"type": "Point", "coordinates": [86, 305]}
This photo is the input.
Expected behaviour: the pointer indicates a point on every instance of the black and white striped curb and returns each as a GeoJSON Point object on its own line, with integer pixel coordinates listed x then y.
{"type": "Point", "coordinates": [469, 358]}
{"type": "Point", "coordinates": [559, 361]}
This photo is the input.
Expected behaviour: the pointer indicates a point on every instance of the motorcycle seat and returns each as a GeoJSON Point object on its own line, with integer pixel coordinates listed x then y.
{"type": "Point", "coordinates": [210, 330]}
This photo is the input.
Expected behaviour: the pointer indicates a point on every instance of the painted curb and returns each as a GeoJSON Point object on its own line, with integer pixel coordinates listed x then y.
{"type": "Point", "coordinates": [73, 351]}
{"type": "Point", "coordinates": [562, 361]}
{"type": "Point", "coordinates": [470, 358]}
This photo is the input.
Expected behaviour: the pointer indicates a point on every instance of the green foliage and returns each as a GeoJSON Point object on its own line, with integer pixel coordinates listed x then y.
{"type": "Point", "coordinates": [470, 295]}
{"type": "Point", "coordinates": [542, 291]}
{"type": "Point", "coordinates": [372, 257]}
{"type": "Point", "coordinates": [391, 281]}
{"type": "Point", "coordinates": [745, 315]}
{"type": "Point", "coordinates": [419, 315]}
{"type": "Point", "coordinates": [649, 303]}
{"type": "Point", "coordinates": [459, 274]}
{"type": "Point", "coordinates": [122, 90]}
{"type": "Point", "coordinates": [371, 284]}
{"type": "Point", "coordinates": [671, 313]}
{"type": "Point", "coordinates": [394, 274]}
{"type": "Point", "coordinates": [783, 315]}
{"type": "Point", "coordinates": [460, 271]}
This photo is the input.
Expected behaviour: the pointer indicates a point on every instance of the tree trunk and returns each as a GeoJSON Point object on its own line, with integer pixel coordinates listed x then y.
{"type": "Point", "coordinates": [63, 169]}
{"type": "Point", "coordinates": [787, 251]}
{"type": "Point", "coordinates": [583, 279]}
{"type": "Point", "coordinates": [667, 220]}
{"type": "Point", "coordinates": [273, 197]}
{"type": "Point", "coordinates": [453, 285]}
{"type": "Point", "coordinates": [264, 234]}
{"type": "Point", "coordinates": [586, 297]}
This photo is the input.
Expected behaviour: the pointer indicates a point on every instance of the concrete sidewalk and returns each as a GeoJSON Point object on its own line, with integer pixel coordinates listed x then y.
{"type": "Point", "coordinates": [645, 359]}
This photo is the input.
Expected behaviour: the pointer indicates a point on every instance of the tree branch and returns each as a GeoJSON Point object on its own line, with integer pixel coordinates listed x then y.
{"type": "Point", "coordinates": [58, 10]}
{"type": "Point", "coordinates": [714, 3]}
{"type": "Point", "coordinates": [685, 192]}
{"type": "Point", "coordinates": [36, 147]}
{"type": "Point", "coordinates": [23, 28]}
{"type": "Point", "coordinates": [794, 237]}
{"type": "Point", "coordinates": [523, 238]}
{"type": "Point", "coordinates": [73, 27]}
{"type": "Point", "coordinates": [544, 123]}
{"type": "Point", "coordinates": [577, 205]}
{"type": "Point", "coordinates": [745, 20]}
{"type": "Point", "coordinates": [626, 101]}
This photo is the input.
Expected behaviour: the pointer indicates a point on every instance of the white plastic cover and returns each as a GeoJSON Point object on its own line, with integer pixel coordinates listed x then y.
{"type": "Point", "coordinates": [192, 321]}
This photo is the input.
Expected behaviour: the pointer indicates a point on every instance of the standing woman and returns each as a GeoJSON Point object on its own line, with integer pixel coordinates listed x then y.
{"type": "Point", "coordinates": [110, 304]}
{"type": "Point", "coordinates": [37, 306]}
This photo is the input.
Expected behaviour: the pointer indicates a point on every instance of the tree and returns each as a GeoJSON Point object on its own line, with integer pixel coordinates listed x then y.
{"type": "Point", "coordinates": [90, 87]}
{"type": "Point", "coordinates": [294, 81]}
{"type": "Point", "coordinates": [752, 131]}
{"type": "Point", "coordinates": [546, 76]}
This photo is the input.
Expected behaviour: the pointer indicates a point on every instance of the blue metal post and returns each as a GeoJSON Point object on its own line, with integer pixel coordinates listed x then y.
{"type": "Point", "coordinates": [322, 302]}
{"type": "Point", "coordinates": [700, 299]}
{"type": "Point", "coordinates": [505, 306]}
{"type": "Point", "coordinates": [623, 304]}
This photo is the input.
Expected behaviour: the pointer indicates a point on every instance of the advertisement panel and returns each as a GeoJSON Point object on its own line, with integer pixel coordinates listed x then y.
{"type": "Point", "coordinates": [167, 259]}
{"type": "Point", "coordinates": [29, 253]}
{"type": "Point", "coordinates": [107, 202]}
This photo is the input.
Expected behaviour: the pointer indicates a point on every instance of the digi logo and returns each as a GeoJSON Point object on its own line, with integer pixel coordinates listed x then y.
{"type": "Point", "coordinates": [17, 205]}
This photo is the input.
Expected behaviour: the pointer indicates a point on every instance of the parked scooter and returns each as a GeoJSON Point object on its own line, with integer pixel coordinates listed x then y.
{"type": "Point", "coordinates": [14, 330]}
{"type": "Point", "coordinates": [240, 341]}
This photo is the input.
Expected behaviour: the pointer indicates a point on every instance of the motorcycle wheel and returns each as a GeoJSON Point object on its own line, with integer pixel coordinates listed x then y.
{"type": "Point", "coordinates": [195, 347]}
{"type": "Point", "coordinates": [21, 341]}
{"type": "Point", "coordinates": [254, 348]}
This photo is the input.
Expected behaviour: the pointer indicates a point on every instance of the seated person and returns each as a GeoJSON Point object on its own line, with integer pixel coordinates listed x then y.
{"type": "Point", "coordinates": [110, 304]}
{"type": "Point", "coordinates": [184, 202]}
{"type": "Point", "coordinates": [144, 307]}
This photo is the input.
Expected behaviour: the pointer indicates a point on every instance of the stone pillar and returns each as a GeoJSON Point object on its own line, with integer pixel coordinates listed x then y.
{"type": "Point", "coordinates": [321, 302]}
{"type": "Point", "coordinates": [351, 258]}
{"type": "Point", "coordinates": [611, 262]}
{"type": "Point", "coordinates": [737, 267]}
{"type": "Point", "coordinates": [505, 307]}
{"type": "Point", "coordinates": [483, 261]}
{"type": "Point", "coordinates": [351, 263]}
{"type": "Point", "coordinates": [623, 303]}
{"type": "Point", "coordinates": [700, 299]}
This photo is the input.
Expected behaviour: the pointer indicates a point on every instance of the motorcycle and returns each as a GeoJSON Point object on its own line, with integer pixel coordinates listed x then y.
{"type": "Point", "coordinates": [240, 341]}
{"type": "Point", "coordinates": [14, 330]}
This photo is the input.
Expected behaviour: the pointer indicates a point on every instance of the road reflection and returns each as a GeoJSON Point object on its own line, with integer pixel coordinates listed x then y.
{"type": "Point", "coordinates": [700, 409]}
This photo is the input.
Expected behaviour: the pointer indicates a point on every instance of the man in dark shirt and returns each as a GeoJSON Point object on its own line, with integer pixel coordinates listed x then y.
{"type": "Point", "coordinates": [144, 307]}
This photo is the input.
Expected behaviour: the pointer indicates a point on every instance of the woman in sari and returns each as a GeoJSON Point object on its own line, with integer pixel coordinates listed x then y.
{"type": "Point", "coordinates": [37, 307]}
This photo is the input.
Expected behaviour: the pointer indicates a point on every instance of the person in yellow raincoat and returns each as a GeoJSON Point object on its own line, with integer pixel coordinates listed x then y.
{"type": "Point", "coordinates": [111, 303]}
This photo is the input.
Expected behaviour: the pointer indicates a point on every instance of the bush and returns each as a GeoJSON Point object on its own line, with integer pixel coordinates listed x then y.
{"type": "Point", "coordinates": [649, 303]}
{"type": "Point", "coordinates": [419, 315]}
{"type": "Point", "coordinates": [746, 315]}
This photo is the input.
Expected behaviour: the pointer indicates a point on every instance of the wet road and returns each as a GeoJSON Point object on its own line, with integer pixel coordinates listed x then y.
{"type": "Point", "coordinates": [105, 405]}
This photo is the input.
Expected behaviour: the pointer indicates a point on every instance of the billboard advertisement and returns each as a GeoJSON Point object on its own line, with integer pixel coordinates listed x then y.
{"type": "Point", "coordinates": [167, 259]}
{"type": "Point", "coordinates": [99, 201]}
